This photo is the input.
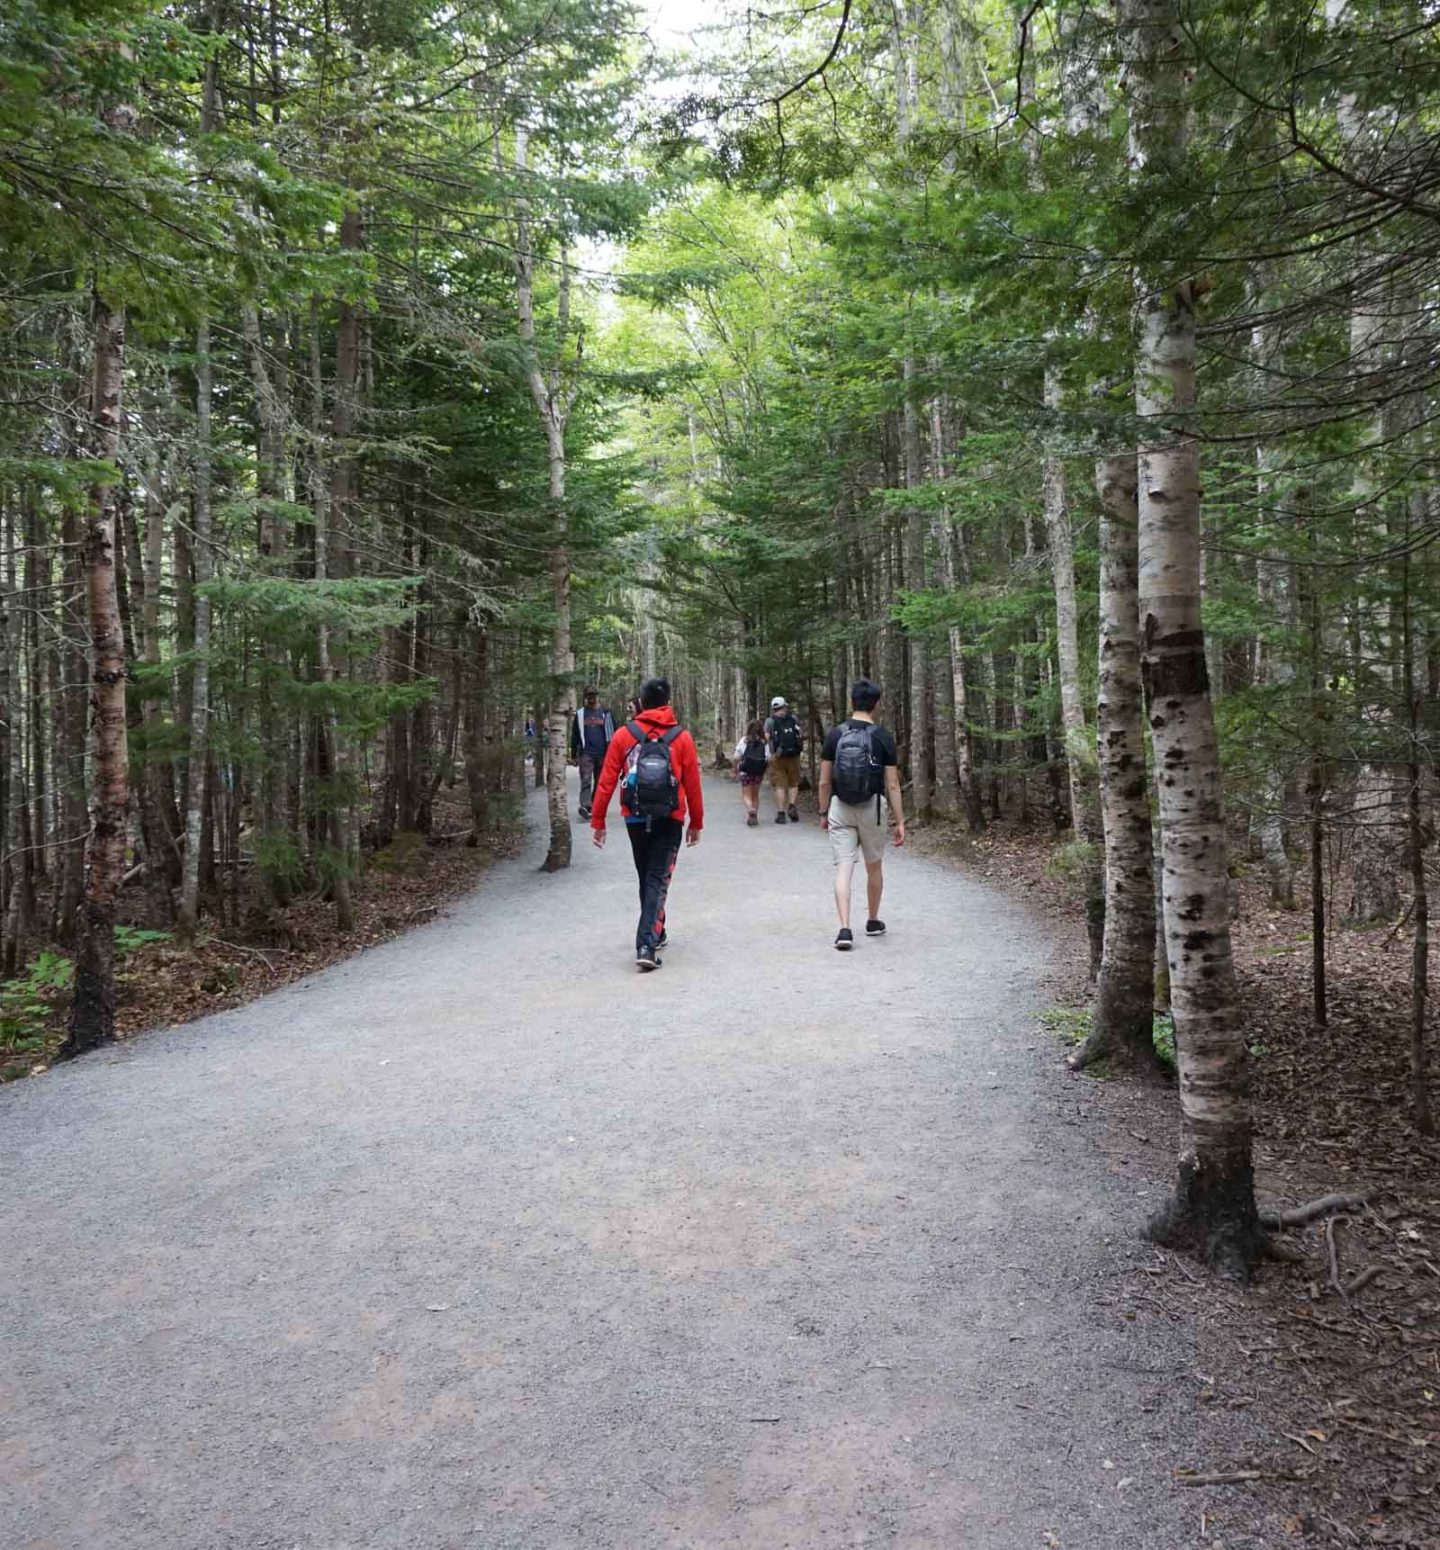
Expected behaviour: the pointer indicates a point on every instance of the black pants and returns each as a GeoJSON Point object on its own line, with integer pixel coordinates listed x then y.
{"type": "Point", "coordinates": [655, 847]}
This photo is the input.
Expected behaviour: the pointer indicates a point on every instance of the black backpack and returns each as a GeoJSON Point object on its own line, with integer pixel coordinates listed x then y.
{"type": "Point", "coordinates": [752, 761]}
{"type": "Point", "coordinates": [856, 774]}
{"type": "Point", "coordinates": [650, 783]}
{"type": "Point", "coordinates": [787, 737]}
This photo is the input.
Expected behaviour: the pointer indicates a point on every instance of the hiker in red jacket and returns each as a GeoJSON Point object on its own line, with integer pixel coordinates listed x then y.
{"type": "Point", "coordinates": [653, 761]}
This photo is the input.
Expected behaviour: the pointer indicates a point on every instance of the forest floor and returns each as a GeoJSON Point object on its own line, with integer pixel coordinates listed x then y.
{"type": "Point", "coordinates": [480, 1239]}
{"type": "Point", "coordinates": [1347, 1389]}
{"type": "Point", "coordinates": [159, 984]}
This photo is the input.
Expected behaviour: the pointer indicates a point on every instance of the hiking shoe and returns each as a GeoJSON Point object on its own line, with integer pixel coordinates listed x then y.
{"type": "Point", "coordinates": [874, 928]}
{"type": "Point", "coordinates": [752, 822]}
{"type": "Point", "coordinates": [645, 960]}
{"type": "Point", "coordinates": [779, 817]}
{"type": "Point", "coordinates": [584, 812]}
{"type": "Point", "coordinates": [844, 939]}
{"type": "Point", "coordinates": [794, 813]}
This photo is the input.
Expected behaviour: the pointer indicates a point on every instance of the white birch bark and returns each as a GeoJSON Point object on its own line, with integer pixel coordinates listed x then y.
{"type": "Point", "coordinates": [552, 400]}
{"type": "Point", "coordinates": [1213, 1209]}
{"type": "Point", "coordinates": [1122, 1024]}
{"type": "Point", "coordinates": [1079, 745]}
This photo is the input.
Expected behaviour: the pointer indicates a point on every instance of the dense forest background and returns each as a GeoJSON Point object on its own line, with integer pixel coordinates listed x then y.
{"type": "Point", "coordinates": [377, 372]}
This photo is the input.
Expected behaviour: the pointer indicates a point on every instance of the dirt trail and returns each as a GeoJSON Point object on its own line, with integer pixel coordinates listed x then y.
{"type": "Point", "coordinates": [482, 1240]}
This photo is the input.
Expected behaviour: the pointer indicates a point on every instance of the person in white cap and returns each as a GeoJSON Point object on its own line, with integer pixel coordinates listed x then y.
{"type": "Point", "coordinates": [785, 739]}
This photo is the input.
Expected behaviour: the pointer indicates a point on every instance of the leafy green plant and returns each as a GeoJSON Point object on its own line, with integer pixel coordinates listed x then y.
{"type": "Point", "coordinates": [128, 938]}
{"type": "Point", "coordinates": [26, 1007]}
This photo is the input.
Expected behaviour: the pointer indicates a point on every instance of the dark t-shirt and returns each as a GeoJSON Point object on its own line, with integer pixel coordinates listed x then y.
{"type": "Point", "coordinates": [774, 725]}
{"type": "Point", "coordinates": [595, 740]}
{"type": "Point", "coordinates": [881, 740]}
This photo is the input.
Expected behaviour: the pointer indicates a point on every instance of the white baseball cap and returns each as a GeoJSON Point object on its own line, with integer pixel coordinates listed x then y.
{"type": "Point", "coordinates": [778, 701]}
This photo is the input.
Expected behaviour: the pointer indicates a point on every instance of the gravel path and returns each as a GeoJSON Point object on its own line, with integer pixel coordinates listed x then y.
{"type": "Point", "coordinates": [482, 1240]}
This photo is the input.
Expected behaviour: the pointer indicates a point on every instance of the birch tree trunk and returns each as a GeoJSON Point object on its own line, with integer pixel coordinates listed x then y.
{"type": "Point", "coordinates": [188, 918]}
{"type": "Point", "coordinates": [198, 761]}
{"type": "Point", "coordinates": [1212, 1212]}
{"type": "Point", "coordinates": [92, 1012]}
{"type": "Point", "coordinates": [942, 667]}
{"type": "Point", "coordinates": [1273, 667]}
{"type": "Point", "coordinates": [552, 404]}
{"type": "Point", "coordinates": [915, 581]}
{"type": "Point", "coordinates": [1084, 798]}
{"type": "Point", "coordinates": [20, 904]}
{"type": "Point", "coordinates": [1123, 1021]}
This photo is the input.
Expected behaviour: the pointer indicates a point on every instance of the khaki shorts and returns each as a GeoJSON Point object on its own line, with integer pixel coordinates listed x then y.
{"type": "Point", "coordinates": [785, 771]}
{"type": "Point", "coordinates": [855, 829]}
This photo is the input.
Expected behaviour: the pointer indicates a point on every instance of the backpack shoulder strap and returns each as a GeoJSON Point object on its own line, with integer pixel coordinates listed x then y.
{"type": "Point", "coordinates": [635, 730]}
{"type": "Point", "coordinates": [669, 736]}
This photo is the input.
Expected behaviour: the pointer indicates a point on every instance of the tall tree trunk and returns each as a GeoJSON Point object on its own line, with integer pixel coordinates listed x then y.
{"type": "Point", "coordinates": [1123, 1020]}
{"type": "Point", "coordinates": [159, 820]}
{"type": "Point", "coordinates": [1212, 1211]}
{"type": "Point", "coordinates": [37, 588]}
{"type": "Point", "coordinates": [919, 743]}
{"type": "Point", "coordinates": [71, 717]}
{"type": "Point", "coordinates": [197, 764]}
{"type": "Point", "coordinates": [92, 1013]}
{"type": "Point", "coordinates": [1085, 822]}
{"type": "Point", "coordinates": [479, 775]}
{"type": "Point", "coordinates": [20, 904]}
{"type": "Point", "coordinates": [1272, 583]}
{"type": "Point", "coordinates": [552, 401]}
{"type": "Point", "coordinates": [1415, 836]}
{"type": "Point", "coordinates": [188, 916]}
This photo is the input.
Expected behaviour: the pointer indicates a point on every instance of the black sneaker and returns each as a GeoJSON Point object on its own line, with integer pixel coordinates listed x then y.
{"type": "Point", "coordinates": [844, 939]}
{"type": "Point", "coordinates": [645, 960]}
{"type": "Point", "coordinates": [584, 812]}
{"type": "Point", "coordinates": [794, 813]}
{"type": "Point", "coordinates": [779, 817]}
{"type": "Point", "coordinates": [874, 928]}
{"type": "Point", "coordinates": [663, 942]}
{"type": "Point", "coordinates": [752, 821]}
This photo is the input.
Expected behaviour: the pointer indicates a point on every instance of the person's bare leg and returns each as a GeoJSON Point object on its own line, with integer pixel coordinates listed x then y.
{"type": "Point", "coordinates": [844, 873]}
{"type": "Point", "coordinates": [874, 887]}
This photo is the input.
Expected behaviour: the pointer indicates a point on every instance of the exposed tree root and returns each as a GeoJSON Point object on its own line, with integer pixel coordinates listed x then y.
{"type": "Point", "coordinates": [1358, 1283]}
{"type": "Point", "coordinates": [1326, 1205]}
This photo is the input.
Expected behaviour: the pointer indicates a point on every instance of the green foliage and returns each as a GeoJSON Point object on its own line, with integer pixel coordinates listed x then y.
{"type": "Point", "coordinates": [1164, 1037]}
{"type": "Point", "coordinates": [26, 1011]}
{"type": "Point", "coordinates": [128, 938]}
{"type": "Point", "coordinates": [1070, 1024]}
{"type": "Point", "coordinates": [1073, 863]}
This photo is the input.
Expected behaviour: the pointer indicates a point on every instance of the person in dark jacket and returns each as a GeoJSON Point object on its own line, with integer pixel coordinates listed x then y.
{"type": "Point", "coordinates": [654, 842]}
{"type": "Point", "coordinates": [590, 734]}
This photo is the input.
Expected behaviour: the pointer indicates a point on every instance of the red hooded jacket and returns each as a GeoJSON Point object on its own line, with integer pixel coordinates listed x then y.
{"type": "Point", "coordinates": [682, 755]}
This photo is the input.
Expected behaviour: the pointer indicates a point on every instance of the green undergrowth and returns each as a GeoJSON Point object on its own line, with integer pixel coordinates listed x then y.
{"type": "Point", "coordinates": [1071, 1025]}
{"type": "Point", "coordinates": [31, 1004]}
